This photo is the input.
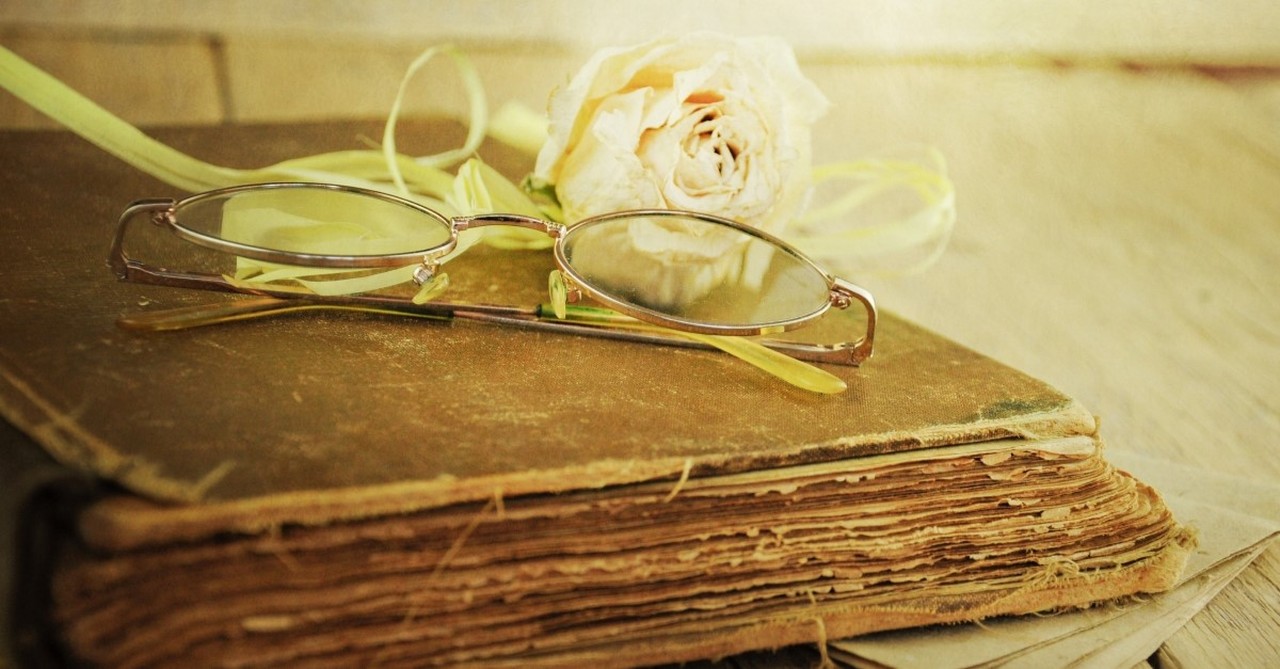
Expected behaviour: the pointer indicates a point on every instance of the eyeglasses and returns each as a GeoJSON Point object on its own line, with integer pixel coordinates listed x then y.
{"type": "Point", "coordinates": [684, 271]}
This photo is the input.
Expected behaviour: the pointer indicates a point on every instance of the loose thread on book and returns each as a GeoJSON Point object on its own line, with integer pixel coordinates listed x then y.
{"type": "Point", "coordinates": [1056, 570]}
{"type": "Point", "coordinates": [498, 504]}
{"type": "Point", "coordinates": [824, 654]}
{"type": "Point", "coordinates": [494, 504]}
{"type": "Point", "coordinates": [212, 478]}
{"type": "Point", "coordinates": [276, 546]}
{"type": "Point", "coordinates": [684, 478]}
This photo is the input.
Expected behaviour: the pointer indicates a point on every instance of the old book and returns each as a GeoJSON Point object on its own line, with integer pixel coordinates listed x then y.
{"type": "Point", "coordinates": [349, 489]}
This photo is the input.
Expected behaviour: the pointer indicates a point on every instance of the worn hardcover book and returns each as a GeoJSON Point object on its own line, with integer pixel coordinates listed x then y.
{"type": "Point", "coordinates": [347, 489]}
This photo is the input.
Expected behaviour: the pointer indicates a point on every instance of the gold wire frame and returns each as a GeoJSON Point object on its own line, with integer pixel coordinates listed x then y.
{"type": "Point", "coordinates": [164, 213]}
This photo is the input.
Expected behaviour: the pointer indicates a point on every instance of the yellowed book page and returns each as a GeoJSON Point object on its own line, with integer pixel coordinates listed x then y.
{"type": "Point", "coordinates": [1228, 541]}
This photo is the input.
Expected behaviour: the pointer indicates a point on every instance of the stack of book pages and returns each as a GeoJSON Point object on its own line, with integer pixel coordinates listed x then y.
{"type": "Point", "coordinates": [344, 489]}
{"type": "Point", "coordinates": [638, 573]}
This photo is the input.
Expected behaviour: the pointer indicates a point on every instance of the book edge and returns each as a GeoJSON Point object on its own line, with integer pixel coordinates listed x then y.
{"type": "Point", "coordinates": [126, 522]}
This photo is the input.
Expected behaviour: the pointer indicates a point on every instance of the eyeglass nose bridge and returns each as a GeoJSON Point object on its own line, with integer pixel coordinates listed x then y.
{"type": "Point", "coordinates": [550, 228]}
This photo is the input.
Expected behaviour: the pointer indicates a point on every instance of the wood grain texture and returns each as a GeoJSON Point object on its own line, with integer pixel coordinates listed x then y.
{"type": "Point", "coordinates": [1235, 624]}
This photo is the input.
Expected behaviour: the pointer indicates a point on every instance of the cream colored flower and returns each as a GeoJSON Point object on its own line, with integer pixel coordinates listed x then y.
{"type": "Point", "coordinates": [703, 122]}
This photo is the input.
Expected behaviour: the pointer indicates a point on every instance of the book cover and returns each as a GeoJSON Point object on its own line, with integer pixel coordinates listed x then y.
{"type": "Point", "coordinates": [339, 487]}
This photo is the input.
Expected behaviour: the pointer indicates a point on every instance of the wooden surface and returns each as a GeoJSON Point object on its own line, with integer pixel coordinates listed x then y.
{"type": "Point", "coordinates": [1118, 234]}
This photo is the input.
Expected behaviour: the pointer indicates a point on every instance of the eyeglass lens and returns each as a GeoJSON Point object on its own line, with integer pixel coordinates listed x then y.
{"type": "Point", "coordinates": [314, 221]}
{"type": "Point", "coordinates": [695, 269]}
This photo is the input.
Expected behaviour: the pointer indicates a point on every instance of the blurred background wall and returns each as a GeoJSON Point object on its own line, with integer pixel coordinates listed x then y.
{"type": "Point", "coordinates": [166, 62]}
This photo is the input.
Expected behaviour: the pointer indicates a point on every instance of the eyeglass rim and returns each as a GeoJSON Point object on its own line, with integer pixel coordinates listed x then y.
{"type": "Point", "coordinates": [704, 327]}
{"type": "Point", "coordinates": [311, 259]}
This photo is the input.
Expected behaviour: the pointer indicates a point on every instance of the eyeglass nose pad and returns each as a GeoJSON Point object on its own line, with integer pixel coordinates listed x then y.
{"type": "Point", "coordinates": [562, 292]}
{"type": "Point", "coordinates": [432, 289]}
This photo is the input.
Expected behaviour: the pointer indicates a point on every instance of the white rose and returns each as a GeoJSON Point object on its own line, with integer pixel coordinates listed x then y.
{"type": "Point", "coordinates": [704, 122]}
